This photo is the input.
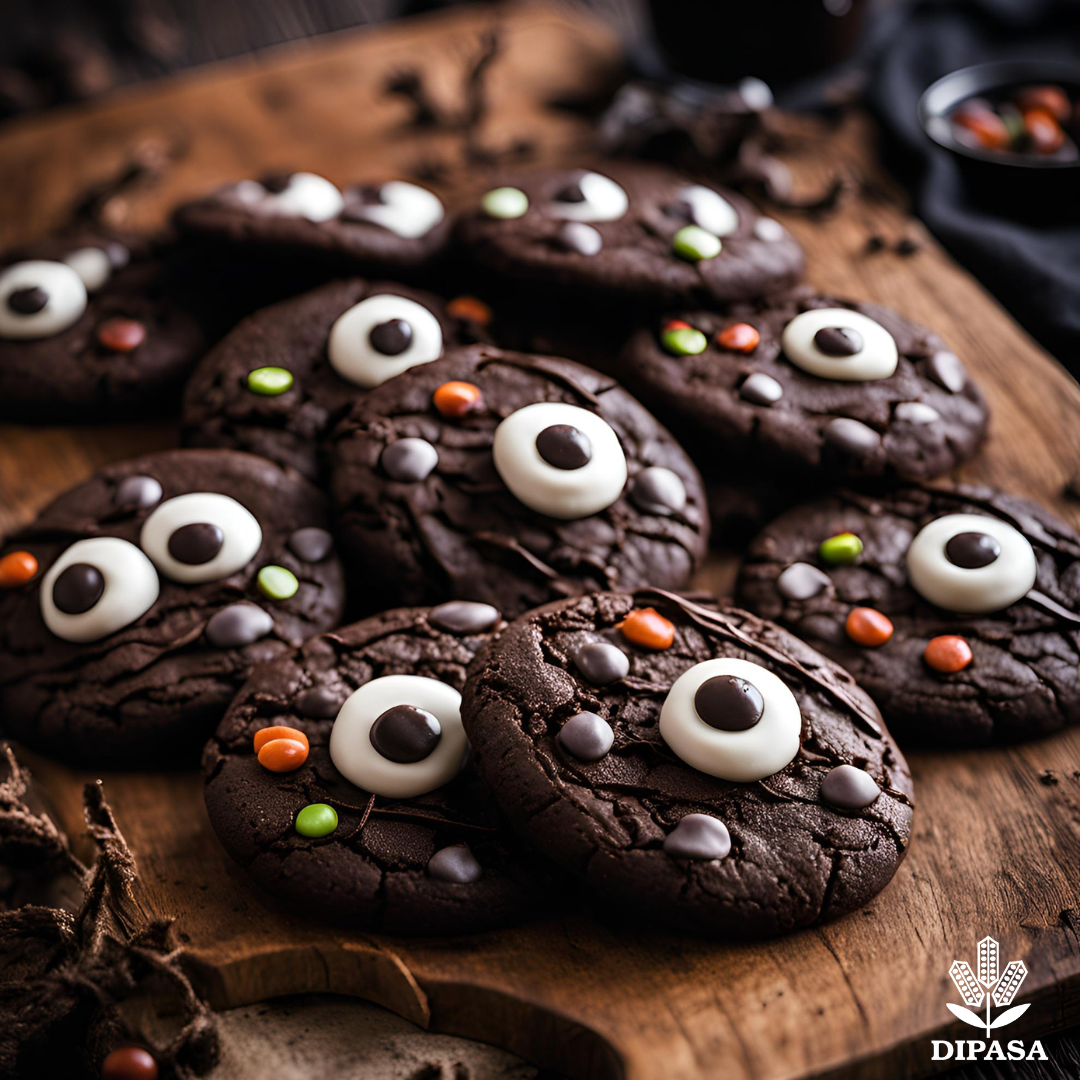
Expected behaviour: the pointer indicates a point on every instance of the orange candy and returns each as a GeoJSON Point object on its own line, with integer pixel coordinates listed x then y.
{"type": "Point", "coordinates": [948, 654]}
{"type": "Point", "coordinates": [865, 626]}
{"type": "Point", "coordinates": [121, 335]}
{"type": "Point", "coordinates": [456, 399]}
{"type": "Point", "coordinates": [471, 309]}
{"type": "Point", "coordinates": [283, 755]}
{"type": "Point", "coordinates": [17, 568]}
{"type": "Point", "coordinates": [648, 628]}
{"type": "Point", "coordinates": [129, 1063]}
{"type": "Point", "coordinates": [279, 731]}
{"type": "Point", "coordinates": [739, 337]}
{"type": "Point", "coordinates": [1046, 134]}
{"type": "Point", "coordinates": [1050, 99]}
{"type": "Point", "coordinates": [677, 324]}
{"type": "Point", "coordinates": [985, 126]}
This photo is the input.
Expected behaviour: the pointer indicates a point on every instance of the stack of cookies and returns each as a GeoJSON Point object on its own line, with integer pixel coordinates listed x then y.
{"type": "Point", "coordinates": [425, 588]}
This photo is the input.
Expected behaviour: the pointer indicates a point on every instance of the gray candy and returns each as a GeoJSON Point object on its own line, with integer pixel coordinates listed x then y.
{"type": "Point", "coordinates": [587, 737]}
{"type": "Point", "coordinates": [312, 545]}
{"type": "Point", "coordinates": [409, 460]}
{"type": "Point", "coordinates": [761, 389]}
{"type": "Point", "coordinates": [658, 490]}
{"type": "Point", "coordinates": [801, 581]}
{"type": "Point", "coordinates": [852, 436]}
{"type": "Point", "coordinates": [849, 788]}
{"type": "Point", "coordinates": [699, 837]}
{"type": "Point", "coordinates": [916, 412]}
{"type": "Point", "coordinates": [602, 663]}
{"type": "Point", "coordinates": [455, 864]}
{"type": "Point", "coordinates": [139, 492]}
{"type": "Point", "coordinates": [946, 369]}
{"type": "Point", "coordinates": [237, 625]}
{"type": "Point", "coordinates": [580, 238]}
{"type": "Point", "coordinates": [320, 703]}
{"type": "Point", "coordinates": [463, 617]}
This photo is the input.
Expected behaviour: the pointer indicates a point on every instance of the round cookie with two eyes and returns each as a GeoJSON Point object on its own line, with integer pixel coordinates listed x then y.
{"type": "Point", "coordinates": [513, 480]}
{"type": "Point", "coordinates": [629, 229]}
{"type": "Point", "coordinates": [91, 329]}
{"type": "Point", "coordinates": [394, 225]}
{"type": "Point", "coordinates": [135, 605]}
{"type": "Point", "coordinates": [813, 383]}
{"type": "Point", "coordinates": [957, 611]}
{"type": "Point", "coordinates": [377, 820]}
{"type": "Point", "coordinates": [696, 766]}
{"type": "Point", "coordinates": [279, 382]}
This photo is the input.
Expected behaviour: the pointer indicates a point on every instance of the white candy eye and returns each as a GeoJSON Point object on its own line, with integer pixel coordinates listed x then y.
{"type": "Point", "coordinates": [381, 337]}
{"type": "Point", "coordinates": [560, 460]}
{"type": "Point", "coordinates": [400, 736]}
{"type": "Point", "coordinates": [710, 210]}
{"type": "Point", "coordinates": [92, 264]}
{"type": "Point", "coordinates": [200, 537]}
{"type": "Point", "coordinates": [39, 299]}
{"type": "Point", "coordinates": [591, 197]}
{"type": "Point", "coordinates": [306, 195]}
{"type": "Point", "coordinates": [405, 209]}
{"type": "Point", "coordinates": [835, 343]}
{"type": "Point", "coordinates": [97, 587]}
{"type": "Point", "coordinates": [733, 719]}
{"type": "Point", "coordinates": [971, 563]}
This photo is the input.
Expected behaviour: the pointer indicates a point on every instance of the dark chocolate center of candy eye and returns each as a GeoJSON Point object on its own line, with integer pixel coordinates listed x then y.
{"type": "Point", "coordinates": [970, 550]}
{"type": "Point", "coordinates": [78, 588]}
{"type": "Point", "coordinates": [838, 341]}
{"type": "Point", "coordinates": [405, 734]}
{"type": "Point", "coordinates": [28, 301]}
{"type": "Point", "coordinates": [729, 703]}
{"type": "Point", "coordinates": [276, 183]}
{"type": "Point", "coordinates": [391, 338]}
{"type": "Point", "coordinates": [196, 543]}
{"type": "Point", "coordinates": [564, 446]}
{"type": "Point", "coordinates": [571, 193]}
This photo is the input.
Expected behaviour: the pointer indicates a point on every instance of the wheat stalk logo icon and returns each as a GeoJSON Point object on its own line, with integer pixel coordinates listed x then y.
{"type": "Point", "coordinates": [971, 988]}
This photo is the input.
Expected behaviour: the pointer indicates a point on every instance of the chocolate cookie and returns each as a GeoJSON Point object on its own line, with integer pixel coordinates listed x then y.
{"type": "Point", "coordinates": [698, 767]}
{"type": "Point", "coordinates": [280, 381]}
{"type": "Point", "coordinates": [390, 226]}
{"type": "Point", "coordinates": [631, 229]}
{"type": "Point", "coordinates": [339, 780]}
{"type": "Point", "coordinates": [138, 601]}
{"type": "Point", "coordinates": [90, 330]}
{"type": "Point", "coordinates": [511, 479]}
{"type": "Point", "coordinates": [957, 611]}
{"type": "Point", "coordinates": [810, 382]}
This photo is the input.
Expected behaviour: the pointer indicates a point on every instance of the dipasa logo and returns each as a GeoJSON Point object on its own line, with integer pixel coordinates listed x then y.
{"type": "Point", "coordinates": [985, 987]}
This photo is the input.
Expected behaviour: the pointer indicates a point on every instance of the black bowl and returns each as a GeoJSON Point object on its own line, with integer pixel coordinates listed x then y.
{"type": "Point", "coordinates": [1033, 185]}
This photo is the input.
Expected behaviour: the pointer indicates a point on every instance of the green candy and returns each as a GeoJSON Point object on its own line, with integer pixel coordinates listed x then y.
{"type": "Point", "coordinates": [683, 341]}
{"type": "Point", "coordinates": [843, 548]}
{"type": "Point", "coordinates": [316, 820]}
{"type": "Point", "coordinates": [695, 244]}
{"type": "Point", "coordinates": [269, 381]}
{"type": "Point", "coordinates": [505, 202]}
{"type": "Point", "coordinates": [277, 583]}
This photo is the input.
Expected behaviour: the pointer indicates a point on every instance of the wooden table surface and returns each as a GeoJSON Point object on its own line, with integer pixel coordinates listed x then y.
{"type": "Point", "coordinates": [997, 833]}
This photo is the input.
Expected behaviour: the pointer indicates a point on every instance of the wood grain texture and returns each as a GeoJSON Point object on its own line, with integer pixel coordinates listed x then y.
{"type": "Point", "coordinates": [997, 844]}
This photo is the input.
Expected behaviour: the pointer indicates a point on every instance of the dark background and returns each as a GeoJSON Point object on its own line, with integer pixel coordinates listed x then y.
{"type": "Point", "coordinates": [54, 52]}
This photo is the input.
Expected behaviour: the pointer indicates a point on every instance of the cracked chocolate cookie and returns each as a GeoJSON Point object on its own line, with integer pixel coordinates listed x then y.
{"type": "Point", "coordinates": [630, 230]}
{"type": "Point", "coordinates": [513, 480]}
{"type": "Point", "coordinates": [809, 382]}
{"type": "Point", "coordinates": [91, 329]}
{"type": "Point", "coordinates": [957, 611]}
{"type": "Point", "coordinates": [339, 780]}
{"type": "Point", "coordinates": [394, 225]}
{"type": "Point", "coordinates": [699, 767]}
{"type": "Point", "coordinates": [278, 383]}
{"type": "Point", "coordinates": [135, 605]}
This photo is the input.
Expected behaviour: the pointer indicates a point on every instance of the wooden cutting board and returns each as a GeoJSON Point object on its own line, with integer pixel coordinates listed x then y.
{"type": "Point", "coordinates": [997, 833]}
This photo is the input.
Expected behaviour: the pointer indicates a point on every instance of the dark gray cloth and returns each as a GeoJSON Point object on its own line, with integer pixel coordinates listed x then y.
{"type": "Point", "coordinates": [1032, 268]}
